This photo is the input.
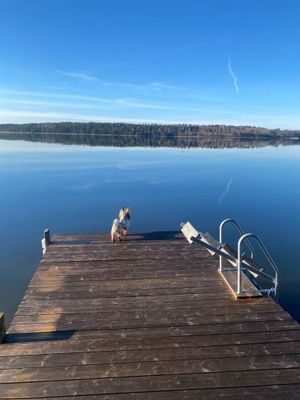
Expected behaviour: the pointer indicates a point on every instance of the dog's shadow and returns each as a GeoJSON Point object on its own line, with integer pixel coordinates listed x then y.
{"type": "Point", "coordinates": [159, 235]}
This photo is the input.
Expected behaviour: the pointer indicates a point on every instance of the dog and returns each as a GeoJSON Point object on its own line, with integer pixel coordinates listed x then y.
{"type": "Point", "coordinates": [115, 231]}
{"type": "Point", "coordinates": [120, 225]}
{"type": "Point", "coordinates": [124, 217]}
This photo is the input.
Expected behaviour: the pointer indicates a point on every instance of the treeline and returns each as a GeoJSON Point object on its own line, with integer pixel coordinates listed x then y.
{"type": "Point", "coordinates": [150, 130]}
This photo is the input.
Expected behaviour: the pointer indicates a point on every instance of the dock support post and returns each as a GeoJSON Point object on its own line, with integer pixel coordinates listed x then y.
{"type": "Point", "coordinates": [2, 327]}
{"type": "Point", "coordinates": [47, 236]}
{"type": "Point", "coordinates": [46, 240]}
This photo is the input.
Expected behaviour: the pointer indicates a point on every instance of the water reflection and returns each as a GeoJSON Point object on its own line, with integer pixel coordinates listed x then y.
{"type": "Point", "coordinates": [150, 140]}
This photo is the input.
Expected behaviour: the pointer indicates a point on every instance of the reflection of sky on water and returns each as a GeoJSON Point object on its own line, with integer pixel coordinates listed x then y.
{"type": "Point", "coordinates": [81, 188]}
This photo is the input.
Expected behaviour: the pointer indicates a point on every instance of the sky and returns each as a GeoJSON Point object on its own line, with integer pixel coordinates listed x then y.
{"type": "Point", "coordinates": [171, 61]}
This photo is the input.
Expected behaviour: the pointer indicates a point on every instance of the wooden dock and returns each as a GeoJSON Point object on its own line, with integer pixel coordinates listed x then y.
{"type": "Point", "coordinates": [147, 318]}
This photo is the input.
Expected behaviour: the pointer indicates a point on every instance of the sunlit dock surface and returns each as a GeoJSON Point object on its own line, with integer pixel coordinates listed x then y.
{"type": "Point", "coordinates": [147, 318]}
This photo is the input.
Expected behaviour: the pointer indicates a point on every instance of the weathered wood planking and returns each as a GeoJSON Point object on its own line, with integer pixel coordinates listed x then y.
{"type": "Point", "coordinates": [148, 318]}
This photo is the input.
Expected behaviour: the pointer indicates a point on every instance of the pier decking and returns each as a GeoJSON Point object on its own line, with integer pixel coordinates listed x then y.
{"type": "Point", "coordinates": [147, 318]}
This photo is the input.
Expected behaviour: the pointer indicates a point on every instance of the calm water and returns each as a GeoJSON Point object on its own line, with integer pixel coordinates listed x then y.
{"type": "Point", "coordinates": [80, 189]}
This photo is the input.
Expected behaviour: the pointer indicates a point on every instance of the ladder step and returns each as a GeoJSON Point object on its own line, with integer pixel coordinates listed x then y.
{"type": "Point", "coordinates": [230, 277]}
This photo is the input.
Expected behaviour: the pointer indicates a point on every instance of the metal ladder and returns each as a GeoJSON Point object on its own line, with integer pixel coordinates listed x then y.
{"type": "Point", "coordinates": [239, 261]}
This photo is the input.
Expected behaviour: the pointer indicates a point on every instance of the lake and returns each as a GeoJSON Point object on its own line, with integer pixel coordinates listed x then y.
{"type": "Point", "coordinates": [79, 188]}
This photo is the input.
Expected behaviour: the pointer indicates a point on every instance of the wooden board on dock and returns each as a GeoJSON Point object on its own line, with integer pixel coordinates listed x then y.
{"type": "Point", "coordinates": [148, 318]}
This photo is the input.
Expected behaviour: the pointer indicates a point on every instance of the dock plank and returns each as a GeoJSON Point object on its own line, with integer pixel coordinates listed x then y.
{"type": "Point", "coordinates": [151, 384]}
{"type": "Point", "coordinates": [125, 356]}
{"type": "Point", "coordinates": [146, 318]}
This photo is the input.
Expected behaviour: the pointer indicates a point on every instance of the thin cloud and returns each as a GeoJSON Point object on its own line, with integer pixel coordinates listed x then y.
{"type": "Point", "coordinates": [233, 76]}
{"type": "Point", "coordinates": [79, 75]}
{"type": "Point", "coordinates": [225, 192]}
{"type": "Point", "coordinates": [121, 102]}
{"type": "Point", "coordinates": [25, 116]}
{"type": "Point", "coordinates": [160, 87]}
{"type": "Point", "coordinates": [147, 87]}
{"type": "Point", "coordinates": [152, 86]}
{"type": "Point", "coordinates": [53, 95]}
{"type": "Point", "coordinates": [17, 116]}
{"type": "Point", "coordinates": [124, 102]}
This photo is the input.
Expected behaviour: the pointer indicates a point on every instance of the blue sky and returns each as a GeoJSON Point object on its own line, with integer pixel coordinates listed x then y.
{"type": "Point", "coordinates": [216, 61]}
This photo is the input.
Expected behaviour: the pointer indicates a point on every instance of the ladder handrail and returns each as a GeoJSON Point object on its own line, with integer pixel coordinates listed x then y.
{"type": "Point", "coordinates": [240, 230]}
{"type": "Point", "coordinates": [237, 258]}
{"type": "Point", "coordinates": [266, 253]}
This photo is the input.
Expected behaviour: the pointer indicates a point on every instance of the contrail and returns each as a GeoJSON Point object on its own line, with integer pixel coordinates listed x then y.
{"type": "Point", "coordinates": [226, 191]}
{"type": "Point", "coordinates": [233, 75]}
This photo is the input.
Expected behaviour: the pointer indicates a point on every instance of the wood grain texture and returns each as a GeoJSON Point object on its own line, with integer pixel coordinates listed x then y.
{"type": "Point", "coordinates": [148, 318]}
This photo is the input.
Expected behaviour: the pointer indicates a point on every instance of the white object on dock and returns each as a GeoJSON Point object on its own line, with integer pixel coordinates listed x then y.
{"type": "Point", "coordinates": [46, 240]}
